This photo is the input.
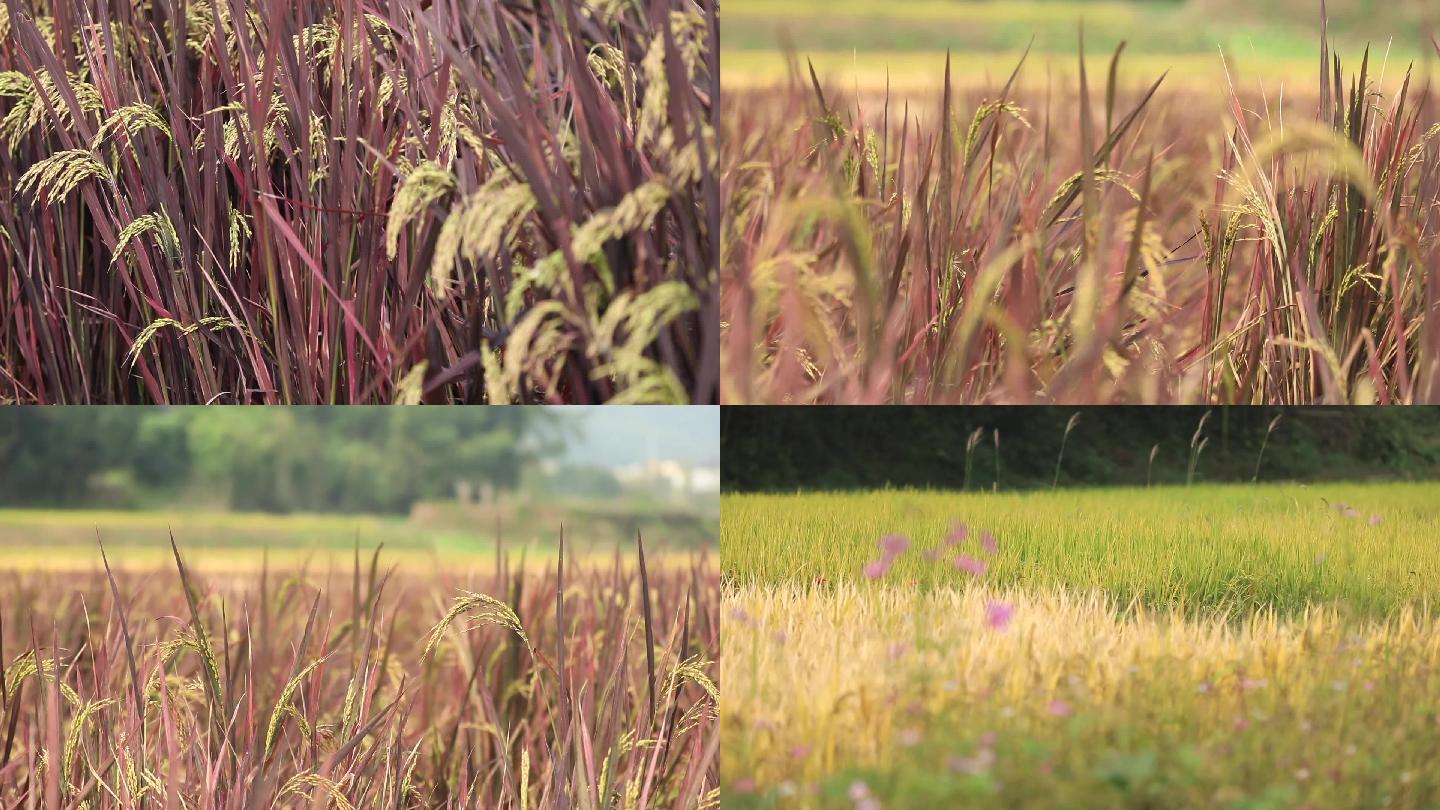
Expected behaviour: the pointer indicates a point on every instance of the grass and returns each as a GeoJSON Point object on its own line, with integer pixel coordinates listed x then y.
{"type": "Point", "coordinates": [431, 536]}
{"type": "Point", "coordinates": [1085, 241]}
{"type": "Point", "coordinates": [1236, 646]}
{"type": "Point", "coordinates": [335, 202]}
{"type": "Point", "coordinates": [1207, 548]}
{"type": "Point", "coordinates": [577, 685]}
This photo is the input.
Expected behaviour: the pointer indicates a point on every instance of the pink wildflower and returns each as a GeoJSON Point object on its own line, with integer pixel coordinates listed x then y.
{"type": "Point", "coordinates": [988, 542]}
{"type": "Point", "coordinates": [957, 535]}
{"type": "Point", "coordinates": [998, 615]}
{"type": "Point", "coordinates": [893, 545]}
{"type": "Point", "coordinates": [1376, 520]}
{"type": "Point", "coordinates": [1058, 708]}
{"type": "Point", "coordinates": [983, 760]}
{"type": "Point", "coordinates": [970, 565]}
{"type": "Point", "coordinates": [876, 569]}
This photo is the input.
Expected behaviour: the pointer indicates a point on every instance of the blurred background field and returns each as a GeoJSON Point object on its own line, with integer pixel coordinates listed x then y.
{"type": "Point", "coordinates": [866, 42]}
{"type": "Point", "coordinates": [313, 484]}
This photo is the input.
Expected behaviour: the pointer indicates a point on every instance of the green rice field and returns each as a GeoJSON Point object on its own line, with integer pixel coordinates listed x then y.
{"type": "Point", "coordinates": [1266, 646]}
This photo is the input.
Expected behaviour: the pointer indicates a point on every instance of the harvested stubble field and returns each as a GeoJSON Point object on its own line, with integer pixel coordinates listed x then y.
{"type": "Point", "coordinates": [1069, 239]}
{"type": "Point", "coordinates": [1210, 646]}
{"type": "Point", "coordinates": [590, 686]}
{"type": "Point", "coordinates": [354, 201]}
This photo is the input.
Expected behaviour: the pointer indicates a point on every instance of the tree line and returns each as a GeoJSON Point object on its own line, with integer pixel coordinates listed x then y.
{"type": "Point", "coordinates": [779, 449]}
{"type": "Point", "coordinates": [265, 459]}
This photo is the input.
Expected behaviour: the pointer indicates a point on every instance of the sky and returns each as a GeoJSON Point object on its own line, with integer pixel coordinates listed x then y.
{"type": "Point", "coordinates": [618, 435]}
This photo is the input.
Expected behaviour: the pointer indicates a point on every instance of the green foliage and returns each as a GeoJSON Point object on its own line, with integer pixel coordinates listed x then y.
{"type": "Point", "coordinates": [278, 460]}
{"type": "Point", "coordinates": [1224, 550]}
{"type": "Point", "coordinates": [780, 449]}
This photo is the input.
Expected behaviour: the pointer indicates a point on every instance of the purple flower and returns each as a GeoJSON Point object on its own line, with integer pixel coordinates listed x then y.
{"type": "Point", "coordinates": [1058, 708]}
{"type": "Point", "coordinates": [957, 535]}
{"type": "Point", "coordinates": [970, 565]}
{"type": "Point", "coordinates": [987, 542]}
{"type": "Point", "coordinates": [998, 615]}
{"type": "Point", "coordinates": [893, 545]}
{"type": "Point", "coordinates": [1376, 520]}
{"type": "Point", "coordinates": [983, 760]}
{"type": "Point", "coordinates": [876, 569]}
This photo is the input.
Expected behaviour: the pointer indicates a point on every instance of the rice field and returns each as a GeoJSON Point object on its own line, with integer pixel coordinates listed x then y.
{"type": "Point", "coordinates": [1106, 231]}
{"type": "Point", "coordinates": [577, 684]}
{"type": "Point", "coordinates": [1235, 646]}
{"type": "Point", "coordinates": [357, 202]}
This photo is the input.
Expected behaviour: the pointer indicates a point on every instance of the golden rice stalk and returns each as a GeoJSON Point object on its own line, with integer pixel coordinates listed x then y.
{"type": "Point", "coordinates": [26, 112]}
{"type": "Point", "coordinates": [1099, 176]}
{"type": "Point", "coordinates": [692, 670]}
{"type": "Point", "coordinates": [60, 174]}
{"type": "Point", "coordinates": [480, 227]}
{"type": "Point", "coordinates": [284, 702]}
{"type": "Point", "coordinates": [214, 323]}
{"type": "Point", "coordinates": [427, 183]}
{"type": "Point", "coordinates": [635, 212]}
{"type": "Point", "coordinates": [157, 223]}
{"type": "Point", "coordinates": [319, 150]}
{"type": "Point", "coordinates": [300, 781]}
{"type": "Point", "coordinates": [621, 337]}
{"type": "Point", "coordinates": [134, 118]}
{"type": "Point", "coordinates": [26, 665]}
{"type": "Point", "coordinates": [86, 95]}
{"type": "Point", "coordinates": [239, 233]}
{"type": "Point", "coordinates": [496, 390]}
{"type": "Point", "coordinates": [72, 740]}
{"type": "Point", "coordinates": [485, 609]}
{"type": "Point", "coordinates": [657, 94]}
{"type": "Point", "coordinates": [411, 387]}
{"type": "Point", "coordinates": [537, 345]}
{"type": "Point", "coordinates": [985, 111]}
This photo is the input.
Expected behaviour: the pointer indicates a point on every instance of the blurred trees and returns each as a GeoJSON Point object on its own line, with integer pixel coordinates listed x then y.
{"type": "Point", "coordinates": [839, 448]}
{"type": "Point", "coordinates": [268, 459]}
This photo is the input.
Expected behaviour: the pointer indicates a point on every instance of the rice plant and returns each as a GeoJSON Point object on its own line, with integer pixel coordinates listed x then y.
{"type": "Point", "coordinates": [1060, 241]}
{"type": "Point", "coordinates": [524, 686]}
{"type": "Point", "coordinates": [352, 202]}
{"type": "Point", "coordinates": [1241, 646]}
